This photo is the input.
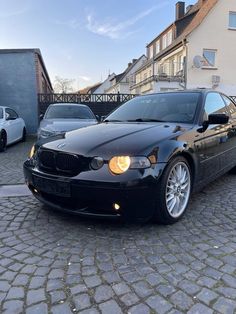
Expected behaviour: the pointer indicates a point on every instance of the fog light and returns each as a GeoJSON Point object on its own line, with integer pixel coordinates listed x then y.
{"type": "Point", "coordinates": [116, 206]}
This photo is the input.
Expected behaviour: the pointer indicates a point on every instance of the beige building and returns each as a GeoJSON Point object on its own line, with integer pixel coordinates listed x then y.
{"type": "Point", "coordinates": [198, 50]}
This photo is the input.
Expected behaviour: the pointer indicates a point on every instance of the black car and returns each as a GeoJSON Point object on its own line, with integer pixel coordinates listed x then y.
{"type": "Point", "coordinates": [143, 161]}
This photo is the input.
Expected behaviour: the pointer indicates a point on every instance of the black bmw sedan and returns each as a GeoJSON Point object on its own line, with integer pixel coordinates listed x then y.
{"type": "Point", "coordinates": [143, 161]}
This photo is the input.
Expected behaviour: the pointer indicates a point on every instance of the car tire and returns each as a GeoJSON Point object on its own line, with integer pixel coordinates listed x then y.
{"type": "Point", "coordinates": [3, 141]}
{"type": "Point", "coordinates": [173, 191]}
{"type": "Point", "coordinates": [23, 139]}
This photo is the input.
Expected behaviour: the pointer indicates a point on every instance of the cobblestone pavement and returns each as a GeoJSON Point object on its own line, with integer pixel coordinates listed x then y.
{"type": "Point", "coordinates": [11, 162]}
{"type": "Point", "coordinates": [55, 263]}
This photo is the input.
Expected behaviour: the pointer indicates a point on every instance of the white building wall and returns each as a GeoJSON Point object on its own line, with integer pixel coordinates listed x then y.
{"type": "Point", "coordinates": [163, 86]}
{"type": "Point", "coordinates": [105, 85]}
{"type": "Point", "coordinates": [213, 33]}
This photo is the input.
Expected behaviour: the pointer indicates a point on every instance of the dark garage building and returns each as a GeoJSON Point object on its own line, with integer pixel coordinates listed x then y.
{"type": "Point", "coordinates": [22, 76]}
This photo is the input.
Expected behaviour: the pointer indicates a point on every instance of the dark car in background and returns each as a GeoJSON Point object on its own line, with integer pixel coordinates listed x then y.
{"type": "Point", "coordinates": [63, 117]}
{"type": "Point", "coordinates": [143, 161]}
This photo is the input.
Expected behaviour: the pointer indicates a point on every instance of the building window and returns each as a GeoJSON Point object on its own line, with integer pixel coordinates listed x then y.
{"type": "Point", "coordinates": [209, 56]}
{"type": "Point", "coordinates": [158, 48]}
{"type": "Point", "coordinates": [164, 41]}
{"type": "Point", "coordinates": [232, 20]}
{"type": "Point", "coordinates": [180, 63]}
{"type": "Point", "coordinates": [169, 37]}
{"type": "Point", "coordinates": [151, 52]}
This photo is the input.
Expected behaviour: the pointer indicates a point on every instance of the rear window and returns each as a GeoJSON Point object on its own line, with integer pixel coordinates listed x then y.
{"type": "Point", "coordinates": [69, 112]}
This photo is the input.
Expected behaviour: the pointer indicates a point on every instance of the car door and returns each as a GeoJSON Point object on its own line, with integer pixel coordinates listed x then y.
{"type": "Point", "coordinates": [14, 127]}
{"type": "Point", "coordinates": [230, 155]}
{"type": "Point", "coordinates": [214, 139]}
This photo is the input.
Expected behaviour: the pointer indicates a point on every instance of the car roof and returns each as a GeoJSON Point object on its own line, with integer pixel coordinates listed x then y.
{"type": "Point", "coordinates": [68, 104]}
{"type": "Point", "coordinates": [185, 91]}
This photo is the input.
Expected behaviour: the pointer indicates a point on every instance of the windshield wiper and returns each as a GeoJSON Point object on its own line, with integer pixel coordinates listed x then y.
{"type": "Point", "coordinates": [145, 120]}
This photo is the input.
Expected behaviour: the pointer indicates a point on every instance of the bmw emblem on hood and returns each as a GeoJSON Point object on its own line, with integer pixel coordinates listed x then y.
{"type": "Point", "coordinates": [61, 145]}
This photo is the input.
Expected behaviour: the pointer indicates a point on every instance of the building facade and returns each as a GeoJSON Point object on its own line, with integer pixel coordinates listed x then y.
{"type": "Point", "coordinates": [122, 82]}
{"type": "Point", "coordinates": [23, 76]}
{"type": "Point", "coordinates": [196, 51]}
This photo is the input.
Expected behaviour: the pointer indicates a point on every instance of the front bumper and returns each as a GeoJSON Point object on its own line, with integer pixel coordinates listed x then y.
{"type": "Point", "coordinates": [92, 197]}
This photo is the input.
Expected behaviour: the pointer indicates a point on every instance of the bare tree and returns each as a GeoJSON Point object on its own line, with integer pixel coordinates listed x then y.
{"type": "Point", "coordinates": [63, 85]}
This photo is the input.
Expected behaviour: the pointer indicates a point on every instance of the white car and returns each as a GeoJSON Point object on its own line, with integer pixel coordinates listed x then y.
{"type": "Point", "coordinates": [64, 117]}
{"type": "Point", "coordinates": [12, 128]}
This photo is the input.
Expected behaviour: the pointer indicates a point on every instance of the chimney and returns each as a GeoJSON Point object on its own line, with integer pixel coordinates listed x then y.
{"type": "Point", "coordinates": [179, 10]}
{"type": "Point", "coordinates": [129, 64]}
{"type": "Point", "coordinates": [134, 60]}
{"type": "Point", "coordinates": [202, 2]}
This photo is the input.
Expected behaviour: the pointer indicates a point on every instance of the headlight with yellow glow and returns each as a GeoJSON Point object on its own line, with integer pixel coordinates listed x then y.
{"type": "Point", "coordinates": [120, 164]}
{"type": "Point", "coordinates": [32, 152]}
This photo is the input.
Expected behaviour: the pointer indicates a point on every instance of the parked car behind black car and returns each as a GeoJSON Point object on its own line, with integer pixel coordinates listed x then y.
{"type": "Point", "coordinates": [143, 161]}
{"type": "Point", "coordinates": [64, 117]}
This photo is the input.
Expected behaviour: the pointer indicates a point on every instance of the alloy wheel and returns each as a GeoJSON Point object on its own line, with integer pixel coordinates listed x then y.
{"type": "Point", "coordinates": [178, 189]}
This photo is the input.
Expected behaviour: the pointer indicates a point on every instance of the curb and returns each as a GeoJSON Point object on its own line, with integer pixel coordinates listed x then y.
{"type": "Point", "coordinates": [14, 190]}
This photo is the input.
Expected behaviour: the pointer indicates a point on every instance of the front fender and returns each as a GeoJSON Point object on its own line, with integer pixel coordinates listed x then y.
{"type": "Point", "coordinates": [171, 149]}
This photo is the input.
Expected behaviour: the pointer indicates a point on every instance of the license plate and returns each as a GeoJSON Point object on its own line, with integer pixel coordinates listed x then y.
{"type": "Point", "coordinates": [52, 186]}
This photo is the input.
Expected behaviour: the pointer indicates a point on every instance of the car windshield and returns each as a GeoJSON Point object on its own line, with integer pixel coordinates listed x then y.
{"type": "Point", "coordinates": [69, 112]}
{"type": "Point", "coordinates": [1, 113]}
{"type": "Point", "coordinates": [168, 107]}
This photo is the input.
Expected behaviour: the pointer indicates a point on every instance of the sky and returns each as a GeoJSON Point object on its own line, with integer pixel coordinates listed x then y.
{"type": "Point", "coordinates": [84, 40]}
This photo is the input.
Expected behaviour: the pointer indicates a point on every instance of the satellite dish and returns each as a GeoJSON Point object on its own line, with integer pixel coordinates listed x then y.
{"type": "Point", "coordinates": [198, 62]}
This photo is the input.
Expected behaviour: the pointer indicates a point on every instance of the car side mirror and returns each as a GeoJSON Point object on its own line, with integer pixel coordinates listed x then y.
{"type": "Point", "coordinates": [7, 116]}
{"type": "Point", "coordinates": [103, 118]}
{"type": "Point", "coordinates": [98, 117]}
{"type": "Point", "coordinates": [41, 117]}
{"type": "Point", "coordinates": [215, 118]}
{"type": "Point", "coordinates": [218, 118]}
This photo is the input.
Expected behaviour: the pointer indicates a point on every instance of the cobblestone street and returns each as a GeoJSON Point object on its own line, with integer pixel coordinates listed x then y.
{"type": "Point", "coordinates": [56, 263]}
{"type": "Point", "coordinates": [11, 162]}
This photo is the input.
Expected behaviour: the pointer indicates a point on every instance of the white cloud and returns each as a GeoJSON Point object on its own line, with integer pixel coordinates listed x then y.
{"type": "Point", "coordinates": [85, 78]}
{"type": "Point", "coordinates": [5, 15]}
{"type": "Point", "coordinates": [118, 30]}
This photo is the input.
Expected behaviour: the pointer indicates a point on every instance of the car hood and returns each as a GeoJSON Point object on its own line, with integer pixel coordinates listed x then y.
{"type": "Point", "coordinates": [109, 139]}
{"type": "Point", "coordinates": [65, 125]}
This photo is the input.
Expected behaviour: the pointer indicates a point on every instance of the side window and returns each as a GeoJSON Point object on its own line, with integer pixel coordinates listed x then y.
{"type": "Point", "coordinates": [232, 20]}
{"type": "Point", "coordinates": [231, 107]}
{"type": "Point", "coordinates": [12, 114]}
{"type": "Point", "coordinates": [214, 104]}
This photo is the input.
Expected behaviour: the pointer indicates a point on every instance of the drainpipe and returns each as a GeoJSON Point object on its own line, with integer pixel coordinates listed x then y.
{"type": "Point", "coordinates": [184, 85]}
{"type": "Point", "coordinates": [185, 63]}
{"type": "Point", "coordinates": [153, 74]}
